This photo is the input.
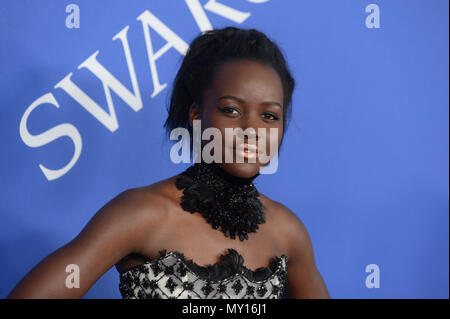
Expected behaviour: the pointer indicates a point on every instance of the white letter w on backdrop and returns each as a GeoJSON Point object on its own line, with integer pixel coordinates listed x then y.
{"type": "Point", "coordinates": [109, 82]}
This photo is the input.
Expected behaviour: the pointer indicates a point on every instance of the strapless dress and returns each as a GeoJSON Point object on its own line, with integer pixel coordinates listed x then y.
{"type": "Point", "coordinates": [173, 276]}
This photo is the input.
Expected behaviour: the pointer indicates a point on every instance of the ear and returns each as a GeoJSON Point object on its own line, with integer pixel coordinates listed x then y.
{"type": "Point", "coordinates": [194, 113]}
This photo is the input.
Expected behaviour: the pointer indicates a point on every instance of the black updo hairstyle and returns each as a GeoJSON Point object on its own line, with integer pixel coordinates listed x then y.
{"type": "Point", "coordinates": [206, 53]}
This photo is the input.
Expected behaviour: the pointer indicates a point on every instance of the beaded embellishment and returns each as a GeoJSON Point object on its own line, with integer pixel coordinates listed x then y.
{"type": "Point", "coordinates": [226, 201]}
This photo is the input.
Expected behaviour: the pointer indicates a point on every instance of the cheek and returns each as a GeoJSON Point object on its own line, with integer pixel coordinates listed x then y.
{"type": "Point", "coordinates": [274, 136]}
{"type": "Point", "coordinates": [211, 119]}
{"type": "Point", "coordinates": [280, 134]}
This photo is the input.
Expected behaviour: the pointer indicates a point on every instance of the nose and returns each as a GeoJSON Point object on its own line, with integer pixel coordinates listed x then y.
{"type": "Point", "coordinates": [249, 124]}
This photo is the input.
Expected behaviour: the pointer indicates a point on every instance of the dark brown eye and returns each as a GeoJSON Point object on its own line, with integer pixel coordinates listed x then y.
{"type": "Point", "coordinates": [229, 110]}
{"type": "Point", "coordinates": [271, 116]}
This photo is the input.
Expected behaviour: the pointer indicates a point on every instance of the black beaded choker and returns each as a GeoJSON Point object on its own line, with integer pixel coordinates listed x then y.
{"type": "Point", "coordinates": [223, 199]}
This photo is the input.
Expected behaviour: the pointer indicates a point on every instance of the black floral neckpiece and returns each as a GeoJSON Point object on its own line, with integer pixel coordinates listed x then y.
{"type": "Point", "coordinates": [223, 199]}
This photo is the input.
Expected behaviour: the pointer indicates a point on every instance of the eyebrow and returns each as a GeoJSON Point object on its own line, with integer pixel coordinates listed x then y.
{"type": "Point", "coordinates": [243, 101]}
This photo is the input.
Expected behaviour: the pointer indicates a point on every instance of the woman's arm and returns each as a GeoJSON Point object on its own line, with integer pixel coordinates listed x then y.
{"type": "Point", "coordinates": [114, 232]}
{"type": "Point", "coordinates": [303, 278]}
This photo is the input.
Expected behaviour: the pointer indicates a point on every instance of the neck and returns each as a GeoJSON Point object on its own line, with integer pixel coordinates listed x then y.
{"type": "Point", "coordinates": [223, 199]}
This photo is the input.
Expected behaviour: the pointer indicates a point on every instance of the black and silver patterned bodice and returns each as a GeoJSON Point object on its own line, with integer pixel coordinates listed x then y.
{"type": "Point", "coordinates": [172, 276]}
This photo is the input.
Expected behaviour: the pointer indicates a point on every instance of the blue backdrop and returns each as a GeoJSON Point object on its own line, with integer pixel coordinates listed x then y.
{"type": "Point", "coordinates": [365, 159]}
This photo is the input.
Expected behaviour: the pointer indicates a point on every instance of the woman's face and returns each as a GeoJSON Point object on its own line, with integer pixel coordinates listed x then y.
{"type": "Point", "coordinates": [243, 94]}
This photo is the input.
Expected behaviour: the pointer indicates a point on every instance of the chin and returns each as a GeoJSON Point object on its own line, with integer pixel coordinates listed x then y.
{"type": "Point", "coordinates": [242, 170]}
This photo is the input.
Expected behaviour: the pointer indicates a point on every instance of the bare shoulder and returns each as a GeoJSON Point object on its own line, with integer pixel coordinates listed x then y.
{"type": "Point", "coordinates": [281, 212]}
{"type": "Point", "coordinates": [303, 279]}
{"type": "Point", "coordinates": [134, 214]}
{"type": "Point", "coordinates": [295, 234]}
{"type": "Point", "coordinates": [148, 203]}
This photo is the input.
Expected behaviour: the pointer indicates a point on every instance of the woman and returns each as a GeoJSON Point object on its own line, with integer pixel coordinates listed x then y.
{"type": "Point", "coordinates": [206, 232]}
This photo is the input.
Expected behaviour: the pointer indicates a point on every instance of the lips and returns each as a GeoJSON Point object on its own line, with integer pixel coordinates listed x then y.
{"type": "Point", "coordinates": [249, 147]}
{"type": "Point", "coordinates": [246, 150]}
